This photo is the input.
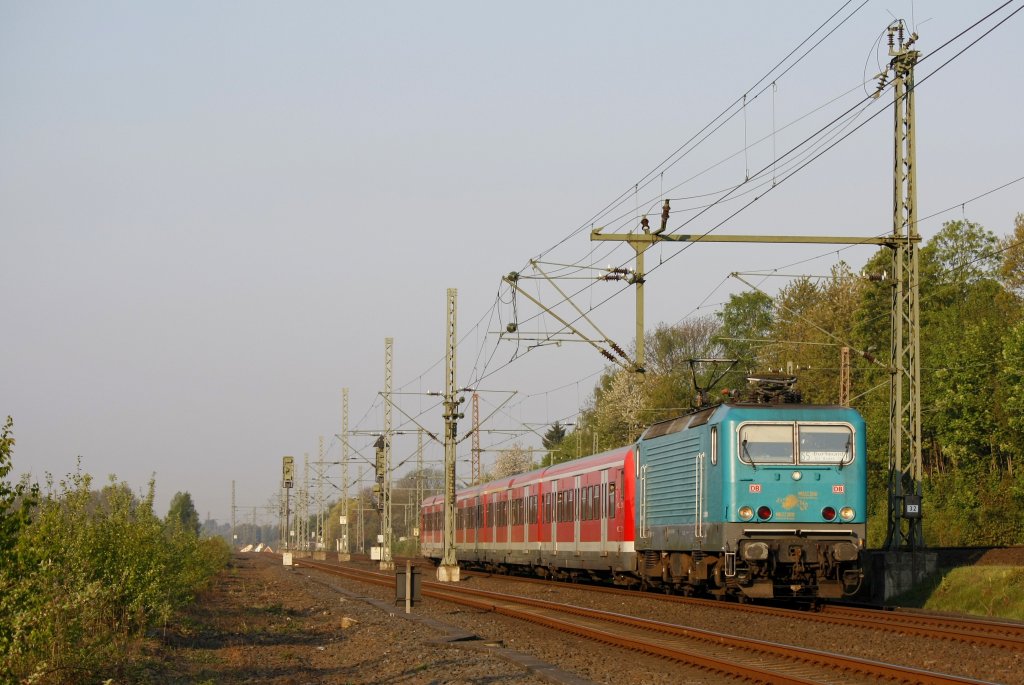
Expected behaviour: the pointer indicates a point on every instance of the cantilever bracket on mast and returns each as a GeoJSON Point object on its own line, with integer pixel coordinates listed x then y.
{"type": "Point", "coordinates": [513, 280]}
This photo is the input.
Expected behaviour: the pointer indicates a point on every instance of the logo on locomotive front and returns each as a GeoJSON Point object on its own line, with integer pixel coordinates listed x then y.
{"type": "Point", "coordinates": [792, 501]}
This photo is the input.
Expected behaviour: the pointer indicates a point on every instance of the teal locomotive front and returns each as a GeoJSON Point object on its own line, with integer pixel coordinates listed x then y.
{"type": "Point", "coordinates": [758, 500]}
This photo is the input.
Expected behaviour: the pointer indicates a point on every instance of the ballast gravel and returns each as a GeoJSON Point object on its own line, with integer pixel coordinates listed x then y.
{"type": "Point", "coordinates": [263, 622]}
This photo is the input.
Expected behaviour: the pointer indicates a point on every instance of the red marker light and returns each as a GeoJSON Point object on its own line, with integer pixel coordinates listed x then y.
{"type": "Point", "coordinates": [764, 513]}
{"type": "Point", "coordinates": [828, 513]}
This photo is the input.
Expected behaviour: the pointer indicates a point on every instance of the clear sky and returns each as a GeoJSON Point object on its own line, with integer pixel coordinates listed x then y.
{"type": "Point", "coordinates": [213, 213]}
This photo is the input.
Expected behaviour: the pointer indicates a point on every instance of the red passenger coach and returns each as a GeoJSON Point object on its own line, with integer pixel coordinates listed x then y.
{"type": "Point", "coordinates": [566, 520]}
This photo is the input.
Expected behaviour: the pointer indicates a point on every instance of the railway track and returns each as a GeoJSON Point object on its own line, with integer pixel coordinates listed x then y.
{"type": "Point", "coordinates": [754, 660]}
{"type": "Point", "coordinates": [1004, 634]}
{"type": "Point", "coordinates": [976, 631]}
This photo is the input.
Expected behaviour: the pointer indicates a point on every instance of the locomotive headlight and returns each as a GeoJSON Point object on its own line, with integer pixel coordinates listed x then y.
{"type": "Point", "coordinates": [847, 513]}
{"type": "Point", "coordinates": [797, 475]}
{"type": "Point", "coordinates": [746, 513]}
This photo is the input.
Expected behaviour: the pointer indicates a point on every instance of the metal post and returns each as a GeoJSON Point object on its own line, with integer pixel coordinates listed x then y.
{"type": "Point", "coordinates": [475, 475]}
{"type": "Point", "coordinates": [419, 484]}
{"type": "Point", "coordinates": [344, 553]}
{"type": "Point", "coordinates": [639, 281]}
{"type": "Point", "coordinates": [362, 526]}
{"type": "Point", "coordinates": [287, 481]}
{"type": "Point", "coordinates": [905, 477]}
{"type": "Point", "coordinates": [408, 586]}
{"type": "Point", "coordinates": [234, 538]}
{"type": "Point", "coordinates": [386, 562]}
{"type": "Point", "coordinates": [448, 571]}
{"type": "Point", "coordinates": [321, 543]}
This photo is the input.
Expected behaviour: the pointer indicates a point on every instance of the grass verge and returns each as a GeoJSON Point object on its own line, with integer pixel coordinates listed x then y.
{"type": "Point", "coordinates": [990, 591]}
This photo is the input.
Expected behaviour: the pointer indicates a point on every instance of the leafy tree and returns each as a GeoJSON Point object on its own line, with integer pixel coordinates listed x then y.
{"type": "Point", "coordinates": [509, 462]}
{"type": "Point", "coordinates": [962, 253]}
{"type": "Point", "coordinates": [668, 389]}
{"type": "Point", "coordinates": [620, 412]}
{"type": "Point", "coordinates": [182, 512]}
{"type": "Point", "coordinates": [965, 343]}
{"type": "Point", "coordinates": [1012, 269]}
{"type": "Point", "coordinates": [1012, 382]}
{"type": "Point", "coordinates": [964, 324]}
{"type": "Point", "coordinates": [746, 322]}
{"type": "Point", "coordinates": [16, 501]}
{"type": "Point", "coordinates": [795, 306]}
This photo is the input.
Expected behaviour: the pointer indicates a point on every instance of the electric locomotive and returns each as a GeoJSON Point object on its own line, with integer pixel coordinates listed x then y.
{"type": "Point", "coordinates": [757, 499]}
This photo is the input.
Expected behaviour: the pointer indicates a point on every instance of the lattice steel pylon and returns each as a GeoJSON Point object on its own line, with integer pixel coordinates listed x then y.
{"type": "Point", "coordinates": [343, 549]}
{"type": "Point", "coordinates": [419, 484]}
{"type": "Point", "coordinates": [475, 475]}
{"type": "Point", "coordinates": [905, 467]}
{"type": "Point", "coordinates": [448, 570]}
{"type": "Point", "coordinates": [387, 563]}
{"type": "Point", "coordinates": [321, 476]}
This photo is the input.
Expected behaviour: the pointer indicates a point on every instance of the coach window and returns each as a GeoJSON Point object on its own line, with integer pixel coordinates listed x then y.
{"type": "Point", "coordinates": [766, 443]}
{"type": "Point", "coordinates": [611, 501]}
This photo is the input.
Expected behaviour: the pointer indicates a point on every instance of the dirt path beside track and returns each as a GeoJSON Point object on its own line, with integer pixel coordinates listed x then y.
{"type": "Point", "coordinates": [264, 623]}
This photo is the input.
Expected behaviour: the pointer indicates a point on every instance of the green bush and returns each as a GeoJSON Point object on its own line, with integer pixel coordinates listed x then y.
{"type": "Point", "coordinates": [93, 571]}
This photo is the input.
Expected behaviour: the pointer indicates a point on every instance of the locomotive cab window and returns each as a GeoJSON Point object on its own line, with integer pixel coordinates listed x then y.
{"type": "Point", "coordinates": [766, 443]}
{"type": "Point", "coordinates": [823, 444]}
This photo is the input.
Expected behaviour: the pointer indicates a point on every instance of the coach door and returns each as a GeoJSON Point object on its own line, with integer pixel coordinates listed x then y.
{"type": "Point", "coordinates": [474, 521]}
{"type": "Point", "coordinates": [603, 513]}
{"type": "Point", "coordinates": [574, 513]}
{"type": "Point", "coordinates": [555, 508]}
{"type": "Point", "coordinates": [528, 493]}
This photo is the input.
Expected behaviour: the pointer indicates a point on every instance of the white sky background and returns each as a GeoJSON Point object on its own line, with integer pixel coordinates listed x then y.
{"type": "Point", "coordinates": [212, 214]}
